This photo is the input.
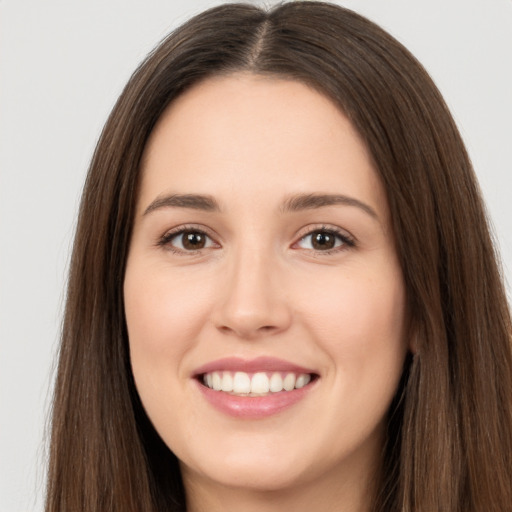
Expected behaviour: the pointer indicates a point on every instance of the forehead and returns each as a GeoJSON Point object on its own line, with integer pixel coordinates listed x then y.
{"type": "Point", "coordinates": [256, 136]}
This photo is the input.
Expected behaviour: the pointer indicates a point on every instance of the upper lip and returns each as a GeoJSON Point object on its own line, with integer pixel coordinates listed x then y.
{"type": "Point", "coordinates": [259, 364]}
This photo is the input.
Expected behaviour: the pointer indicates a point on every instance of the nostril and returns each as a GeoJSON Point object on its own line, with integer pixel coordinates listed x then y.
{"type": "Point", "coordinates": [247, 332]}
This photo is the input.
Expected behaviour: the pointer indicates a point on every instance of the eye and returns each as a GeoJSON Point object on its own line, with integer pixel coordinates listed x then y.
{"type": "Point", "coordinates": [187, 240]}
{"type": "Point", "coordinates": [325, 240]}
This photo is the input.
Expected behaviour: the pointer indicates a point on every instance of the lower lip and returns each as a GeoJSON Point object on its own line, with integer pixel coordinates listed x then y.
{"type": "Point", "coordinates": [254, 407]}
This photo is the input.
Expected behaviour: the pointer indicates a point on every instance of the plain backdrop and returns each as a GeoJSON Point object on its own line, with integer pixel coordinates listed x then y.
{"type": "Point", "coordinates": [63, 64]}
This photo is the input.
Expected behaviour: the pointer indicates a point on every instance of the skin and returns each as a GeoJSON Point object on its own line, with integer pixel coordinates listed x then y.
{"type": "Point", "coordinates": [260, 288]}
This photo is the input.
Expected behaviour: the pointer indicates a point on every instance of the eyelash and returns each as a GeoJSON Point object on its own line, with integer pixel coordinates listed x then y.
{"type": "Point", "coordinates": [347, 241]}
{"type": "Point", "coordinates": [166, 239]}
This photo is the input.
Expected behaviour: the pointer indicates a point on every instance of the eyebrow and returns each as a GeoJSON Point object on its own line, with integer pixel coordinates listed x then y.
{"type": "Point", "coordinates": [193, 201]}
{"type": "Point", "coordinates": [293, 203]}
{"type": "Point", "coordinates": [312, 201]}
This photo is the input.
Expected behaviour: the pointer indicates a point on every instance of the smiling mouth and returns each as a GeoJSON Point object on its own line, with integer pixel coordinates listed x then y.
{"type": "Point", "coordinates": [255, 384]}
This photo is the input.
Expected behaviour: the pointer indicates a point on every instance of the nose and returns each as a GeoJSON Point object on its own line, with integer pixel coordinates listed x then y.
{"type": "Point", "coordinates": [253, 301]}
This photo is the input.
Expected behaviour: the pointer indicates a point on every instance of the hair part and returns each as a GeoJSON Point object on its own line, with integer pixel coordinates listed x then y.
{"type": "Point", "coordinates": [449, 441]}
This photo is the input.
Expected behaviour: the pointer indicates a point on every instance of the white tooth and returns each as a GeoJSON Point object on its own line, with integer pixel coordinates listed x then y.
{"type": "Point", "coordinates": [241, 383]}
{"type": "Point", "coordinates": [302, 380]}
{"type": "Point", "coordinates": [209, 380]}
{"type": "Point", "coordinates": [276, 383]}
{"type": "Point", "coordinates": [289, 382]}
{"type": "Point", "coordinates": [259, 383]}
{"type": "Point", "coordinates": [216, 381]}
{"type": "Point", "coordinates": [227, 382]}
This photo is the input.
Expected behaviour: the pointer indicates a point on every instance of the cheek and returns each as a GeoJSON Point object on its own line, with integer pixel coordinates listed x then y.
{"type": "Point", "coordinates": [359, 322]}
{"type": "Point", "coordinates": [360, 327]}
{"type": "Point", "coordinates": [160, 312]}
{"type": "Point", "coordinates": [163, 319]}
{"type": "Point", "coordinates": [374, 316]}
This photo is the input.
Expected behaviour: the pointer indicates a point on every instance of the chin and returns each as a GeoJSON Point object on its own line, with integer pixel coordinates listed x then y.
{"type": "Point", "coordinates": [250, 476]}
{"type": "Point", "coordinates": [257, 469]}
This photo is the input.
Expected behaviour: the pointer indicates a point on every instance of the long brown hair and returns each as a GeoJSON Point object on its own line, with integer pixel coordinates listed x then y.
{"type": "Point", "coordinates": [449, 445]}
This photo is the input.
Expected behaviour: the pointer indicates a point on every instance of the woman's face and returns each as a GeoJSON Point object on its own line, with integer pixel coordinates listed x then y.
{"type": "Point", "coordinates": [262, 258]}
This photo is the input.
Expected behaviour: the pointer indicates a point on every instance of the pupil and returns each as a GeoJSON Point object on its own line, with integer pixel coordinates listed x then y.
{"type": "Point", "coordinates": [193, 240]}
{"type": "Point", "coordinates": [323, 240]}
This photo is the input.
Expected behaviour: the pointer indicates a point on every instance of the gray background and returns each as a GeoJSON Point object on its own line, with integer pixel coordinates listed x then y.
{"type": "Point", "coordinates": [63, 64]}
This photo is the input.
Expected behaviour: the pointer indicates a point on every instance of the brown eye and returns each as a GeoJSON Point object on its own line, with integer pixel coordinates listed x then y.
{"type": "Point", "coordinates": [193, 240]}
{"type": "Point", "coordinates": [187, 240]}
{"type": "Point", "coordinates": [322, 240]}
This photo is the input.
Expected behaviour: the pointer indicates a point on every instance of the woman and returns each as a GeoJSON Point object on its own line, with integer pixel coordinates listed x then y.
{"type": "Point", "coordinates": [283, 291]}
